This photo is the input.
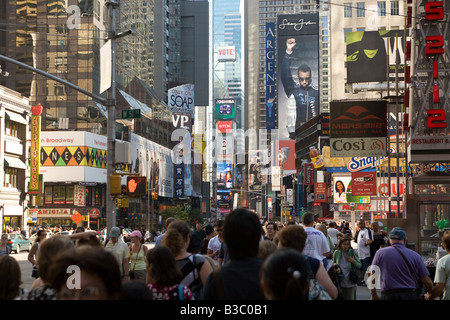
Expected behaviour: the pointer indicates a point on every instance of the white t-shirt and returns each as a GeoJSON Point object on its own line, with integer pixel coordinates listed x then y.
{"type": "Point", "coordinates": [363, 237]}
{"type": "Point", "coordinates": [214, 245]}
{"type": "Point", "coordinates": [333, 233]}
{"type": "Point", "coordinates": [316, 244]}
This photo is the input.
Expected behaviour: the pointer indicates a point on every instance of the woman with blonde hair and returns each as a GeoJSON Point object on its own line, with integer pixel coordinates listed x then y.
{"type": "Point", "coordinates": [193, 266]}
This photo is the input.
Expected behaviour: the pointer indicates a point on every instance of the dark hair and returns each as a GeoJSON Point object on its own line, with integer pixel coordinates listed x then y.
{"type": "Point", "coordinates": [38, 235]}
{"type": "Point", "coordinates": [92, 260]}
{"type": "Point", "coordinates": [335, 186]}
{"type": "Point", "coordinates": [162, 268]}
{"type": "Point", "coordinates": [304, 68]}
{"type": "Point", "coordinates": [219, 223]}
{"type": "Point", "coordinates": [195, 244]}
{"type": "Point", "coordinates": [285, 275]}
{"type": "Point", "coordinates": [136, 290]}
{"type": "Point", "coordinates": [48, 251]}
{"type": "Point", "coordinates": [293, 236]}
{"type": "Point", "coordinates": [342, 240]}
{"type": "Point", "coordinates": [209, 229]}
{"type": "Point", "coordinates": [308, 218]}
{"type": "Point", "coordinates": [10, 279]}
{"type": "Point", "coordinates": [242, 232]}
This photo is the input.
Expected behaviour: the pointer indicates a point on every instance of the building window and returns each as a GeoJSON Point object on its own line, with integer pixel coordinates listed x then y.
{"type": "Point", "coordinates": [11, 128]}
{"type": "Point", "coordinates": [347, 10]}
{"type": "Point", "coordinates": [346, 30]}
{"type": "Point", "coordinates": [381, 8]}
{"type": "Point", "coordinates": [10, 177]}
{"type": "Point", "coordinates": [395, 9]}
{"type": "Point", "coordinates": [361, 9]}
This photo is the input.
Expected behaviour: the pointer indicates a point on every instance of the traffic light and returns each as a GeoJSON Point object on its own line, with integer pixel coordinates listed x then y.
{"type": "Point", "coordinates": [136, 186]}
{"type": "Point", "coordinates": [114, 180]}
{"type": "Point", "coordinates": [154, 195]}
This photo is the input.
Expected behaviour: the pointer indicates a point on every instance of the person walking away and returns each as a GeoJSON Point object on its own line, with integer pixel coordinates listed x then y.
{"type": "Point", "coordinates": [294, 236]}
{"type": "Point", "coordinates": [164, 276]}
{"type": "Point", "coordinates": [347, 259]}
{"type": "Point", "coordinates": [158, 240]}
{"type": "Point", "coordinates": [138, 252]}
{"type": "Point", "coordinates": [5, 249]}
{"type": "Point", "coordinates": [284, 275]}
{"type": "Point", "coordinates": [119, 250]}
{"type": "Point", "coordinates": [10, 279]}
{"type": "Point", "coordinates": [364, 238]}
{"type": "Point", "coordinates": [239, 278]}
{"type": "Point", "coordinates": [334, 233]}
{"type": "Point", "coordinates": [442, 276]}
{"type": "Point", "coordinates": [398, 269]}
{"type": "Point", "coordinates": [327, 260]}
{"type": "Point", "coordinates": [42, 288]}
{"type": "Point", "coordinates": [194, 267]}
{"type": "Point", "coordinates": [99, 275]}
{"type": "Point", "coordinates": [210, 233]}
{"type": "Point", "coordinates": [316, 245]}
{"type": "Point", "coordinates": [34, 251]}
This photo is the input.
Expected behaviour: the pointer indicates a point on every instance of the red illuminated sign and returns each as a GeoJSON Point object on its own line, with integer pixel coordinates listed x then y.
{"type": "Point", "coordinates": [434, 45]}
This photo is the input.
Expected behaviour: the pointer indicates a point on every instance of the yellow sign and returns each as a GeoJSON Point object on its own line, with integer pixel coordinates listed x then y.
{"type": "Point", "coordinates": [34, 187]}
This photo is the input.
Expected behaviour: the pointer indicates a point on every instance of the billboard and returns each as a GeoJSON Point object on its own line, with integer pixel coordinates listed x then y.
{"type": "Point", "coordinates": [298, 71]}
{"type": "Point", "coordinates": [342, 191]}
{"type": "Point", "coordinates": [369, 51]}
{"type": "Point", "coordinates": [270, 76]}
{"type": "Point", "coordinates": [153, 161]}
{"type": "Point", "coordinates": [181, 99]}
{"type": "Point", "coordinates": [227, 53]}
{"type": "Point", "coordinates": [225, 108]}
{"type": "Point", "coordinates": [358, 128]}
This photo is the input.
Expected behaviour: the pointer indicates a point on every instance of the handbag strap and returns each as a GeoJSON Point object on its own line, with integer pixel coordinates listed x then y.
{"type": "Point", "coordinates": [137, 254]}
{"type": "Point", "coordinates": [413, 274]}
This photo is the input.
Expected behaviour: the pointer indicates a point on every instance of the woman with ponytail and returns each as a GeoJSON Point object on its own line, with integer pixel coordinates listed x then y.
{"type": "Point", "coordinates": [285, 275]}
{"type": "Point", "coordinates": [193, 266]}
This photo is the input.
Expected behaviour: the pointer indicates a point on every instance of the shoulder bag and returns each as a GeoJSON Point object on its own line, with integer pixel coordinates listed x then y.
{"type": "Point", "coordinates": [419, 290]}
{"type": "Point", "coordinates": [131, 272]}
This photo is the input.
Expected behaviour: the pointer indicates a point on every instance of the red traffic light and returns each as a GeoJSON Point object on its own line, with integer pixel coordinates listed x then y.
{"type": "Point", "coordinates": [136, 186]}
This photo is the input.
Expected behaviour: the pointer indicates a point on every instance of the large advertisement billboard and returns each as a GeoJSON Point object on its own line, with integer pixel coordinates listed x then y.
{"type": "Point", "coordinates": [298, 71]}
{"type": "Point", "coordinates": [358, 128]}
{"type": "Point", "coordinates": [369, 51]}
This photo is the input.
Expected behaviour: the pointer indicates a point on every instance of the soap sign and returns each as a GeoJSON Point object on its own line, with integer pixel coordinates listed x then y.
{"type": "Point", "coordinates": [181, 99]}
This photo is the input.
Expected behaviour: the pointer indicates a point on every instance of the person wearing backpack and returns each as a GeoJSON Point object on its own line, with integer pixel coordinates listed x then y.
{"type": "Point", "coordinates": [364, 238]}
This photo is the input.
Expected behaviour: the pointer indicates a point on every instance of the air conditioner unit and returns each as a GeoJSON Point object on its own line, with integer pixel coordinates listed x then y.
{"type": "Point", "coordinates": [123, 152]}
{"type": "Point", "coordinates": [63, 123]}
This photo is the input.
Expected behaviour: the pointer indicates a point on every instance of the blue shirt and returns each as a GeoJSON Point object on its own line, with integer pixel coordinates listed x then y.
{"type": "Point", "coordinates": [394, 272]}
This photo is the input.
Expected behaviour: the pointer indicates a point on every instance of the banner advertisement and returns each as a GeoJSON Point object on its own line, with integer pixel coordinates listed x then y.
{"type": "Point", "coordinates": [270, 76]}
{"type": "Point", "coordinates": [225, 109]}
{"type": "Point", "coordinates": [298, 71]}
{"type": "Point", "coordinates": [368, 51]}
{"type": "Point", "coordinates": [320, 192]}
{"type": "Point", "coordinates": [342, 191]}
{"type": "Point", "coordinates": [35, 185]}
{"type": "Point", "coordinates": [364, 183]}
{"type": "Point", "coordinates": [358, 128]}
{"type": "Point", "coordinates": [181, 99]}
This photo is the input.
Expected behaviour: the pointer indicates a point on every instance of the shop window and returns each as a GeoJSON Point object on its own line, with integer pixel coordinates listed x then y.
{"type": "Point", "coordinates": [59, 194]}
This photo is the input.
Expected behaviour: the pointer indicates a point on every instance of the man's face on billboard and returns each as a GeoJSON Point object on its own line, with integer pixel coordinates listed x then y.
{"type": "Point", "coordinates": [304, 78]}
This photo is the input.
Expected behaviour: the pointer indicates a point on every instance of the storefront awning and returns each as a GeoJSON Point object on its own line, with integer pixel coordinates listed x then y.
{"type": "Point", "coordinates": [15, 117]}
{"type": "Point", "coordinates": [15, 163]}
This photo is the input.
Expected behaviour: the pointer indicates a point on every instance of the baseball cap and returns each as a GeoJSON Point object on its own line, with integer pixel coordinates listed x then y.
{"type": "Point", "coordinates": [135, 233]}
{"type": "Point", "coordinates": [397, 233]}
{"type": "Point", "coordinates": [115, 232]}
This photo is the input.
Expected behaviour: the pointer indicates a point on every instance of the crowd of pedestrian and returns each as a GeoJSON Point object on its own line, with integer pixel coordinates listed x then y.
{"type": "Point", "coordinates": [237, 258]}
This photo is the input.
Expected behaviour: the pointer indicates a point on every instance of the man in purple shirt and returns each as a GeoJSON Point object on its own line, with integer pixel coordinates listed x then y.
{"type": "Point", "coordinates": [397, 280]}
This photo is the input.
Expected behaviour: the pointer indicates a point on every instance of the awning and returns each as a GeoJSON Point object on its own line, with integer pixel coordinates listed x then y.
{"type": "Point", "coordinates": [15, 163]}
{"type": "Point", "coordinates": [15, 117]}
